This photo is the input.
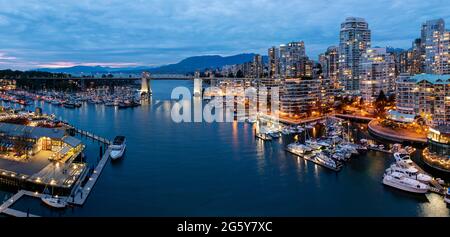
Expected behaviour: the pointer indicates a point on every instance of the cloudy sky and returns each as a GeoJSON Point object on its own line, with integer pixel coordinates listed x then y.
{"type": "Point", "coordinates": [55, 33]}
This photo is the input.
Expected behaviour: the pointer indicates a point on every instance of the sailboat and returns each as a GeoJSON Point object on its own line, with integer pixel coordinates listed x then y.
{"type": "Point", "coordinates": [53, 201]}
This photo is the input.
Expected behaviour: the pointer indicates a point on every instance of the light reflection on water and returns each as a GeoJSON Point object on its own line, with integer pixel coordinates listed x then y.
{"type": "Point", "coordinates": [435, 207]}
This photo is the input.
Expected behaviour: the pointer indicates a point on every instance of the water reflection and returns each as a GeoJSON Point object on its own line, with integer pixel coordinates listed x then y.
{"type": "Point", "coordinates": [435, 207]}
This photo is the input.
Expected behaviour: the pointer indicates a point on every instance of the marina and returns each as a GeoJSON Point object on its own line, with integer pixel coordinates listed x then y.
{"type": "Point", "coordinates": [266, 166]}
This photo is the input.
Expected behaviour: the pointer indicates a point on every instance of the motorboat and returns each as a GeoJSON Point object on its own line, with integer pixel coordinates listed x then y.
{"type": "Point", "coordinates": [352, 148]}
{"type": "Point", "coordinates": [118, 147]}
{"type": "Point", "coordinates": [403, 159]}
{"type": "Point", "coordinates": [56, 202]}
{"type": "Point", "coordinates": [275, 134]}
{"type": "Point", "coordinates": [402, 182]}
{"type": "Point", "coordinates": [298, 149]}
{"type": "Point", "coordinates": [69, 105]}
{"type": "Point", "coordinates": [410, 172]}
{"type": "Point", "coordinates": [326, 161]}
{"type": "Point", "coordinates": [263, 136]}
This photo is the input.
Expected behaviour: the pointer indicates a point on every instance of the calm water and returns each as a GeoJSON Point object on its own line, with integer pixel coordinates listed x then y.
{"type": "Point", "coordinates": [219, 169]}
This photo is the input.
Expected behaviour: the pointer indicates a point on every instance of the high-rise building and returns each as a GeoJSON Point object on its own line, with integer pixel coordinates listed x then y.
{"type": "Point", "coordinates": [416, 57]}
{"type": "Point", "coordinates": [431, 31]}
{"type": "Point", "coordinates": [329, 62]}
{"type": "Point", "coordinates": [377, 73]}
{"type": "Point", "coordinates": [355, 38]}
{"type": "Point", "coordinates": [426, 95]}
{"type": "Point", "coordinates": [441, 64]}
{"type": "Point", "coordinates": [274, 62]}
{"type": "Point", "coordinates": [257, 67]}
{"type": "Point", "coordinates": [293, 60]}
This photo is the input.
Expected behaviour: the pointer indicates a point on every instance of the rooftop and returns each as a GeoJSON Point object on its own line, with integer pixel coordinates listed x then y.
{"type": "Point", "coordinates": [431, 78]}
{"type": "Point", "coordinates": [33, 132]}
{"type": "Point", "coordinates": [444, 129]}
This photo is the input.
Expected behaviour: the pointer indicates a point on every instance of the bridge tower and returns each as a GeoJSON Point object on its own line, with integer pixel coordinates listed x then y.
{"type": "Point", "coordinates": [197, 85]}
{"type": "Point", "coordinates": [146, 89]}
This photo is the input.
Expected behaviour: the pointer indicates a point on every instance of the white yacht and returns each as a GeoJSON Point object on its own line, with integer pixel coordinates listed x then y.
{"type": "Point", "coordinates": [403, 159]}
{"type": "Point", "coordinates": [410, 172]}
{"type": "Point", "coordinates": [402, 182]}
{"type": "Point", "coordinates": [313, 144]}
{"type": "Point", "coordinates": [55, 202]}
{"type": "Point", "coordinates": [299, 149]}
{"type": "Point", "coordinates": [350, 148]}
{"type": "Point", "coordinates": [325, 160]}
{"type": "Point", "coordinates": [118, 147]}
{"type": "Point", "coordinates": [447, 196]}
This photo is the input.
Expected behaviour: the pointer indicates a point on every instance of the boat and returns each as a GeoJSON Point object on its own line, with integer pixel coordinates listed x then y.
{"type": "Point", "coordinates": [403, 159]}
{"type": "Point", "coordinates": [410, 172]}
{"type": "Point", "coordinates": [326, 161]}
{"type": "Point", "coordinates": [313, 144]}
{"type": "Point", "coordinates": [298, 149]}
{"type": "Point", "coordinates": [402, 182]}
{"type": "Point", "coordinates": [69, 105]}
{"type": "Point", "coordinates": [118, 147]}
{"type": "Point", "coordinates": [56, 102]}
{"type": "Point", "coordinates": [56, 202]}
{"type": "Point", "coordinates": [263, 136]}
{"type": "Point", "coordinates": [109, 103]}
{"type": "Point", "coordinates": [352, 148]}
{"type": "Point", "coordinates": [447, 196]}
{"type": "Point", "coordinates": [275, 134]}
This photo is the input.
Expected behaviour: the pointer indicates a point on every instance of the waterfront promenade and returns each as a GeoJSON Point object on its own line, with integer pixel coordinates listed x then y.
{"type": "Point", "coordinates": [396, 135]}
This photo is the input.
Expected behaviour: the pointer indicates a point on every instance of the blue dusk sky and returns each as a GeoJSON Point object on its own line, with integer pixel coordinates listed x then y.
{"type": "Point", "coordinates": [55, 33]}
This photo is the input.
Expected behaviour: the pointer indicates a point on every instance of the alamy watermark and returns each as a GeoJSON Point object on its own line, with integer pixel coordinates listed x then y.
{"type": "Point", "coordinates": [228, 104]}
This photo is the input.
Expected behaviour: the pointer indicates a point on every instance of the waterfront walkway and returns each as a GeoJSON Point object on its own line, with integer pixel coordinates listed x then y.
{"type": "Point", "coordinates": [354, 117]}
{"type": "Point", "coordinates": [397, 135]}
{"type": "Point", "coordinates": [292, 121]}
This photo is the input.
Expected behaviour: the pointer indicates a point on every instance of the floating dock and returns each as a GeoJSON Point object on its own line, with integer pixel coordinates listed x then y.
{"type": "Point", "coordinates": [5, 207]}
{"type": "Point", "coordinates": [315, 161]}
{"type": "Point", "coordinates": [81, 194]}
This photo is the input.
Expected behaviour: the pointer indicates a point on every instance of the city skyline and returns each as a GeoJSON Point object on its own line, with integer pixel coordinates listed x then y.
{"type": "Point", "coordinates": [143, 33]}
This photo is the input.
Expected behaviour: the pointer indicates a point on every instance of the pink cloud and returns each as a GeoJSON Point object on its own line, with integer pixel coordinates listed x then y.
{"type": "Point", "coordinates": [91, 64]}
{"type": "Point", "coordinates": [4, 56]}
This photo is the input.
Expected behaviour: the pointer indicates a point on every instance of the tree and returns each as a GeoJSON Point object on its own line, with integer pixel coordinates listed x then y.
{"type": "Point", "coordinates": [381, 97]}
{"type": "Point", "coordinates": [380, 104]}
{"type": "Point", "coordinates": [239, 74]}
{"type": "Point", "coordinates": [361, 101]}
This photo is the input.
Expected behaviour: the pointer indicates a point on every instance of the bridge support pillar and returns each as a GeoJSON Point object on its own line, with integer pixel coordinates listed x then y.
{"type": "Point", "coordinates": [146, 90]}
{"type": "Point", "coordinates": [197, 85]}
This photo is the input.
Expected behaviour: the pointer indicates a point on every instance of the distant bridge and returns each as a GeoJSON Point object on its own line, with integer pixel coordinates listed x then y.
{"type": "Point", "coordinates": [134, 78]}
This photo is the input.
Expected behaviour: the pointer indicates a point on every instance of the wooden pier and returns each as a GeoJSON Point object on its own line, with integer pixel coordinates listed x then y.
{"type": "Point", "coordinates": [90, 135]}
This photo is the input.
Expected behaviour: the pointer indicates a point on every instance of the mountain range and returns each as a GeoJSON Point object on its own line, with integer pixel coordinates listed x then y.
{"type": "Point", "coordinates": [188, 65]}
